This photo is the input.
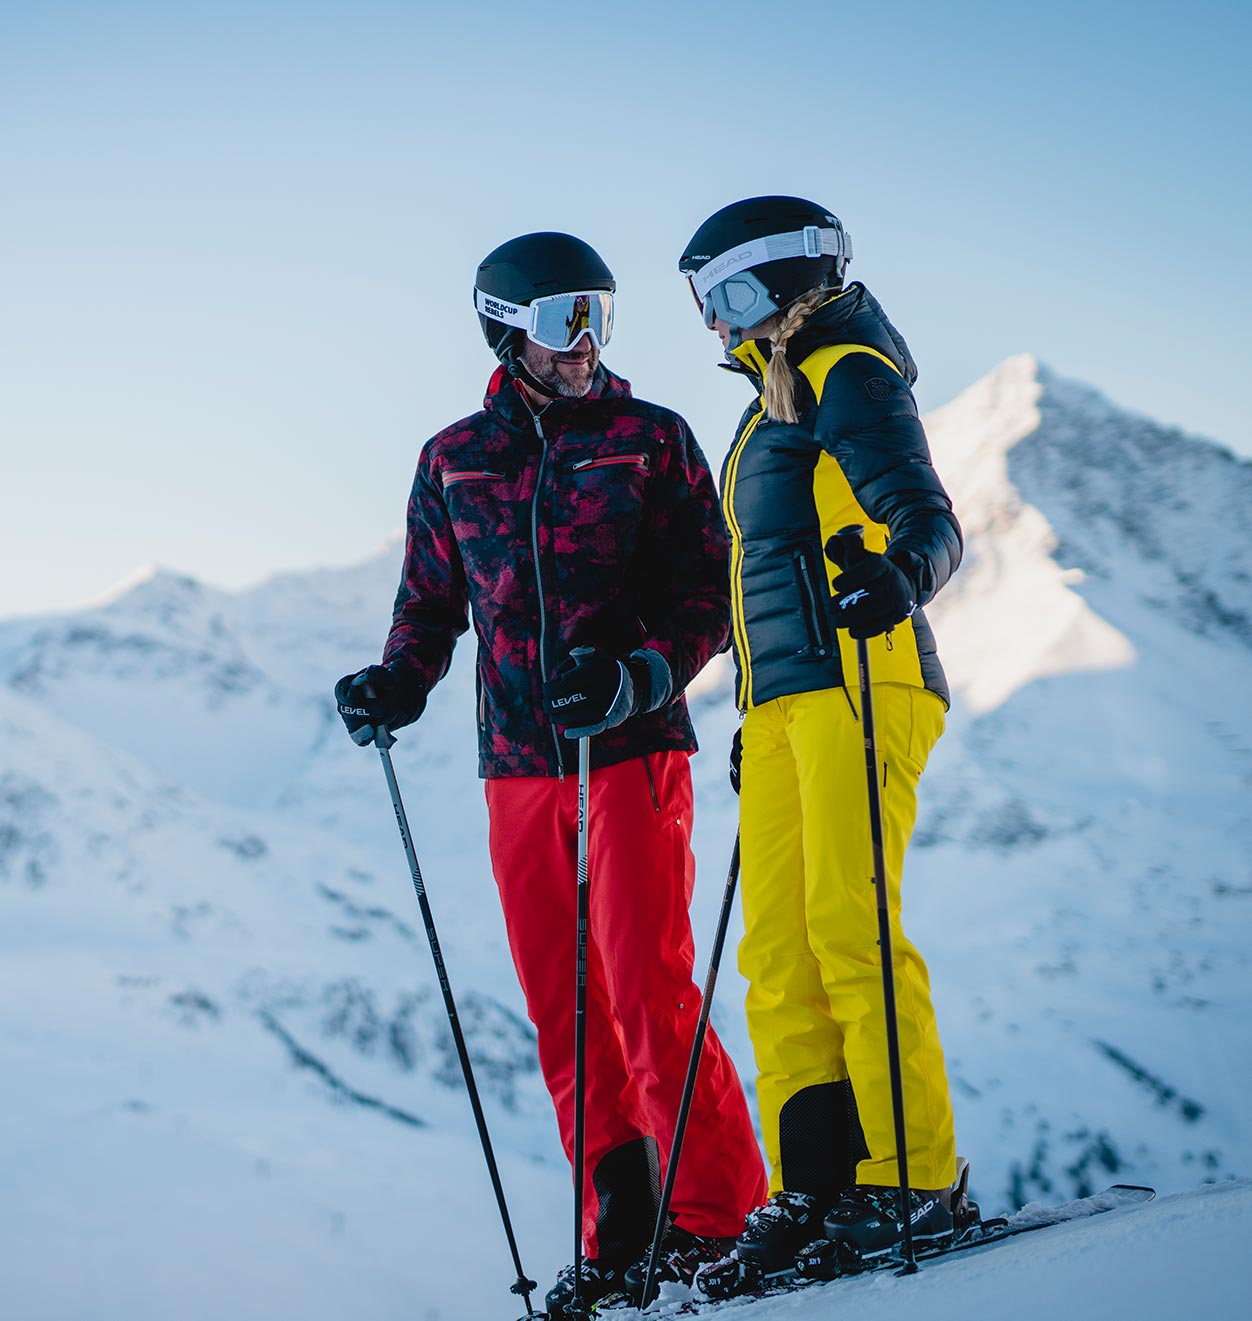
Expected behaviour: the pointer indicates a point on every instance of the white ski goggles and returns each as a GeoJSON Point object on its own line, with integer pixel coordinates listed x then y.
{"type": "Point", "coordinates": [557, 321]}
{"type": "Point", "coordinates": [725, 286]}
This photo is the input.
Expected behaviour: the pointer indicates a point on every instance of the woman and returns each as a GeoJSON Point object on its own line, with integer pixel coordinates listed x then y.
{"type": "Point", "coordinates": [833, 439]}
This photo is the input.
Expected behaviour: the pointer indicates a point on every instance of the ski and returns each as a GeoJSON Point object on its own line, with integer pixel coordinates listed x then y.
{"type": "Point", "coordinates": [816, 1264]}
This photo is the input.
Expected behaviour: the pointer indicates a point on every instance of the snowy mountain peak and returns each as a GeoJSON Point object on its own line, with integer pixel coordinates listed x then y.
{"type": "Point", "coordinates": [1080, 518]}
{"type": "Point", "coordinates": [993, 414]}
{"type": "Point", "coordinates": [148, 581]}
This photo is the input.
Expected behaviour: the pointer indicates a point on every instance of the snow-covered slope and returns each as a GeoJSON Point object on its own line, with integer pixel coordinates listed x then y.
{"type": "Point", "coordinates": [1083, 850]}
{"type": "Point", "coordinates": [1180, 1256]}
{"type": "Point", "coordinates": [227, 1070]}
{"type": "Point", "coordinates": [229, 1085]}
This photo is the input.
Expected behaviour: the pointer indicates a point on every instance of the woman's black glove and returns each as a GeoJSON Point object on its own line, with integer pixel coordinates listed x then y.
{"type": "Point", "coordinates": [592, 691]}
{"type": "Point", "coordinates": [736, 758]}
{"type": "Point", "coordinates": [372, 697]}
{"type": "Point", "coordinates": [872, 595]}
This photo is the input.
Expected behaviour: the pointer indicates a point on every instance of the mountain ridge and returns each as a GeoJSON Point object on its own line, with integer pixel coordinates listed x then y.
{"type": "Point", "coordinates": [197, 866]}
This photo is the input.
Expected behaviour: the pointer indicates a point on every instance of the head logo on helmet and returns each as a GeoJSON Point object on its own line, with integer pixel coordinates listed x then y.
{"type": "Point", "coordinates": [754, 257]}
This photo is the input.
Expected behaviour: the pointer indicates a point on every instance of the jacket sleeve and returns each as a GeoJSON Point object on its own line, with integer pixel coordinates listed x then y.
{"type": "Point", "coordinates": [867, 420]}
{"type": "Point", "coordinates": [432, 605]}
{"type": "Point", "coordinates": [684, 561]}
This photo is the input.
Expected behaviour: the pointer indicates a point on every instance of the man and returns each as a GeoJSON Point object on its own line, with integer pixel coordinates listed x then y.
{"type": "Point", "coordinates": [580, 526]}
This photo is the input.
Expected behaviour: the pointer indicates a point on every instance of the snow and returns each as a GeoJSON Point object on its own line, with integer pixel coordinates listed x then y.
{"type": "Point", "coordinates": [229, 1089]}
{"type": "Point", "coordinates": [1180, 1256]}
{"type": "Point", "coordinates": [1013, 614]}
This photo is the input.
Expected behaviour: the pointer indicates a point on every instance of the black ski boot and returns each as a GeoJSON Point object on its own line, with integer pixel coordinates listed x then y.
{"type": "Point", "coordinates": [842, 1251]}
{"type": "Point", "coordinates": [682, 1255]}
{"type": "Point", "coordinates": [771, 1238]}
{"type": "Point", "coordinates": [598, 1280]}
{"type": "Point", "coordinates": [865, 1223]}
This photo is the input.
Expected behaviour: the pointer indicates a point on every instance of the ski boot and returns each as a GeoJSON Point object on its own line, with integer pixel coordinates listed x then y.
{"type": "Point", "coordinates": [598, 1280]}
{"type": "Point", "coordinates": [864, 1226]}
{"type": "Point", "coordinates": [682, 1255]}
{"type": "Point", "coordinates": [766, 1249]}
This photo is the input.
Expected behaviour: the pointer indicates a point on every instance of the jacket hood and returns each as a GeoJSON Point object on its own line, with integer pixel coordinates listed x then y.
{"type": "Point", "coordinates": [504, 395]}
{"type": "Point", "coordinates": [853, 316]}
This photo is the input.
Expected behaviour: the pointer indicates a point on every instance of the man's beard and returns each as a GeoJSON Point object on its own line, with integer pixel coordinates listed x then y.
{"type": "Point", "coordinates": [542, 365]}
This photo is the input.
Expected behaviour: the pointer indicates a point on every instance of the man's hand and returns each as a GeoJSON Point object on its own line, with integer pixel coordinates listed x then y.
{"type": "Point", "coordinates": [736, 759]}
{"type": "Point", "coordinates": [372, 697]}
{"type": "Point", "coordinates": [872, 595]}
{"type": "Point", "coordinates": [591, 691]}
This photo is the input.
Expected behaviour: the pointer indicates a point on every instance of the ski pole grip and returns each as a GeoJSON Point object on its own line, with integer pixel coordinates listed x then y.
{"type": "Point", "coordinates": [571, 661]}
{"type": "Point", "coordinates": [383, 738]}
{"type": "Point", "coordinates": [847, 546]}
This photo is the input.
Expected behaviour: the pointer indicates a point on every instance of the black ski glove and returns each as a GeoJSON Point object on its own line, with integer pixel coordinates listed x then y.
{"type": "Point", "coordinates": [591, 691]}
{"type": "Point", "coordinates": [372, 697]}
{"type": "Point", "coordinates": [872, 595]}
{"type": "Point", "coordinates": [736, 758]}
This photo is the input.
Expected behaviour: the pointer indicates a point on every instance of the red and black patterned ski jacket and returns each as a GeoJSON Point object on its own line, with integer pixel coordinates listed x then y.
{"type": "Point", "coordinates": [595, 523]}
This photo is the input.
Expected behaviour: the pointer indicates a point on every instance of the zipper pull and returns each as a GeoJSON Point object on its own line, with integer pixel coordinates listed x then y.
{"type": "Point", "coordinates": [851, 707]}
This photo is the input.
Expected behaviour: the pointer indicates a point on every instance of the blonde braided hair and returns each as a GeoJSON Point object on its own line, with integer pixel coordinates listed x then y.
{"type": "Point", "coordinates": [780, 379]}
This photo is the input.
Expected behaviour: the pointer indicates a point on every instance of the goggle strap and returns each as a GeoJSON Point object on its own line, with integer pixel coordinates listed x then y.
{"type": "Point", "coordinates": [811, 241]}
{"type": "Point", "coordinates": [511, 314]}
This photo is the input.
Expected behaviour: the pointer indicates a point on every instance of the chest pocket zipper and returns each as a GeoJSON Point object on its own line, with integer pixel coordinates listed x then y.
{"type": "Point", "coordinates": [453, 476]}
{"type": "Point", "coordinates": [814, 616]}
{"type": "Point", "coordinates": [639, 461]}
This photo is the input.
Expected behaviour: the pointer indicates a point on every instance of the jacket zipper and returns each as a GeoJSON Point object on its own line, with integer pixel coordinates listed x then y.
{"type": "Point", "coordinates": [738, 614]}
{"type": "Point", "coordinates": [821, 644]}
{"type": "Point", "coordinates": [634, 460]}
{"type": "Point", "coordinates": [470, 475]}
{"type": "Point", "coordinates": [534, 546]}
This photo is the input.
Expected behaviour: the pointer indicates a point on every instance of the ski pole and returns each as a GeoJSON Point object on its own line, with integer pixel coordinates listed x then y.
{"type": "Point", "coordinates": [523, 1286]}
{"type": "Point", "coordinates": [689, 1087]}
{"type": "Point", "coordinates": [850, 539]}
{"type": "Point", "coordinates": [576, 1309]}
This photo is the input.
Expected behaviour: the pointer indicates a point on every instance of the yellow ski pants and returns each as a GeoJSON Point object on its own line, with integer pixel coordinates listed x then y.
{"type": "Point", "coordinates": [810, 946]}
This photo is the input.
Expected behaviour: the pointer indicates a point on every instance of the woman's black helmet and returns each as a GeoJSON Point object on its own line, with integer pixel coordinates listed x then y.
{"type": "Point", "coordinates": [753, 257]}
{"type": "Point", "coordinates": [529, 267]}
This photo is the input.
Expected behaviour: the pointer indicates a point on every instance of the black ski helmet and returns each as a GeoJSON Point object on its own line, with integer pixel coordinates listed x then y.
{"type": "Point", "coordinates": [530, 266]}
{"type": "Point", "coordinates": [811, 246]}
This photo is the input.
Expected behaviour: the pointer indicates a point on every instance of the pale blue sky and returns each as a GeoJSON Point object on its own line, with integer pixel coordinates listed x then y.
{"type": "Point", "coordinates": [237, 240]}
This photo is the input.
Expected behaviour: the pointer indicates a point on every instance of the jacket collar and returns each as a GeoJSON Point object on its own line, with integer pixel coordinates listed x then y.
{"type": "Point", "coordinates": [504, 397]}
{"type": "Point", "coordinates": [753, 357]}
{"type": "Point", "coordinates": [852, 316]}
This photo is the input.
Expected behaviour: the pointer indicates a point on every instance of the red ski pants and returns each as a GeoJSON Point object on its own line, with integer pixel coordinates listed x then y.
{"type": "Point", "coordinates": [642, 1006]}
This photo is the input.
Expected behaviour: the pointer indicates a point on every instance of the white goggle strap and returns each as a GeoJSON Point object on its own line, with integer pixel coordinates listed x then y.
{"type": "Point", "coordinates": [511, 314]}
{"type": "Point", "coordinates": [811, 241]}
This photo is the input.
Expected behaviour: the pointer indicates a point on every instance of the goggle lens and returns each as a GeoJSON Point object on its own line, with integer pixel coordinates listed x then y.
{"type": "Point", "coordinates": [559, 321]}
{"type": "Point", "coordinates": [705, 305]}
{"type": "Point", "coordinates": [741, 300]}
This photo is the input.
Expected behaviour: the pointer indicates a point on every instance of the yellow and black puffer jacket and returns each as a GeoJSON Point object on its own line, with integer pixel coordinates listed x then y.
{"type": "Point", "coordinates": [857, 454]}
